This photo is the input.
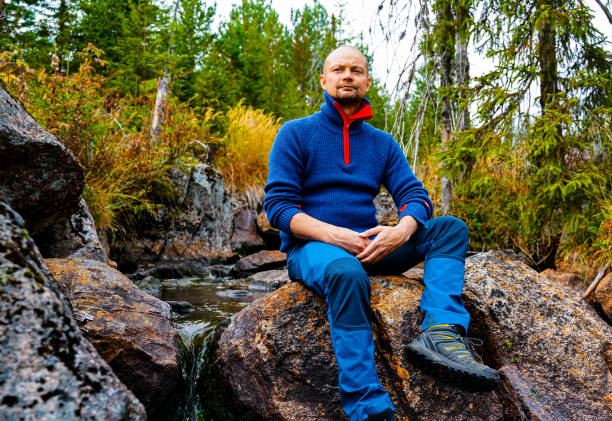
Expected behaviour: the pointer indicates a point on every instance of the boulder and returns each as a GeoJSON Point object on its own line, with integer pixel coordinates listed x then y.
{"type": "Point", "coordinates": [386, 211]}
{"type": "Point", "coordinates": [130, 329]}
{"type": "Point", "coordinates": [275, 360]}
{"type": "Point", "coordinates": [268, 280]}
{"type": "Point", "coordinates": [48, 370]}
{"type": "Point", "coordinates": [567, 279]}
{"type": "Point", "coordinates": [270, 235]}
{"type": "Point", "coordinates": [603, 295]}
{"type": "Point", "coordinates": [262, 260]}
{"type": "Point", "coordinates": [72, 237]}
{"type": "Point", "coordinates": [40, 179]}
{"type": "Point", "coordinates": [245, 238]}
{"type": "Point", "coordinates": [197, 230]}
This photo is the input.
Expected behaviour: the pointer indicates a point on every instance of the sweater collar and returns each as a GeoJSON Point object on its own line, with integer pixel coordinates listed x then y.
{"type": "Point", "coordinates": [334, 112]}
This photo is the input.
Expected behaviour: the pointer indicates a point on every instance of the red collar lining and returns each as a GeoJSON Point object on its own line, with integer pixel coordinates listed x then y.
{"type": "Point", "coordinates": [364, 113]}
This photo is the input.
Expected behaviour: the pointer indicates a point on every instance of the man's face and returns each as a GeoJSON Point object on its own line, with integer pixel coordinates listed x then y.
{"type": "Point", "coordinates": [345, 76]}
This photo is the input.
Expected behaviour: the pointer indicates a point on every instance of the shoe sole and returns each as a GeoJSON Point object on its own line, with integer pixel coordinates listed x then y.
{"type": "Point", "coordinates": [465, 380]}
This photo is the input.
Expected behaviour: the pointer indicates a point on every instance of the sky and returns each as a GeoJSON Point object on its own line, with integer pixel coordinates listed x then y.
{"type": "Point", "coordinates": [381, 32]}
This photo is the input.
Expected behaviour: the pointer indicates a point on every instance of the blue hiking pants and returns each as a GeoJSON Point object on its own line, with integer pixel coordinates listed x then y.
{"type": "Point", "coordinates": [340, 278]}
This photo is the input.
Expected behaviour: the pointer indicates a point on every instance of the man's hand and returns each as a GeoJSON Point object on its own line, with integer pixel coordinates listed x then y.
{"type": "Point", "coordinates": [388, 239]}
{"type": "Point", "coordinates": [349, 240]}
{"type": "Point", "coordinates": [308, 228]}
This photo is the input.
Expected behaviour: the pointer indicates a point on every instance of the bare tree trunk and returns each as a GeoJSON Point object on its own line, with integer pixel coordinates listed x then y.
{"type": "Point", "coordinates": [159, 109]}
{"type": "Point", "coordinates": [462, 66]}
{"type": "Point", "coordinates": [605, 10]}
{"type": "Point", "coordinates": [547, 57]}
{"type": "Point", "coordinates": [163, 84]}
{"type": "Point", "coordinates": [446, 53]}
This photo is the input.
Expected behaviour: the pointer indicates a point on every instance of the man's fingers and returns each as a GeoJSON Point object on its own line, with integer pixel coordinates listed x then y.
{"type": "Point", "coordinates": [371, 232]}
{"type": "Point", "coordinates": [366, 251]}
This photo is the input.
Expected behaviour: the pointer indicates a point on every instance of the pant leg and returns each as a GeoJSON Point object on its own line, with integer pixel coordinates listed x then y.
{"type": "Point", "coordinates": [339, 277]}
{"type": "Point", "coordinates": [442, 243]}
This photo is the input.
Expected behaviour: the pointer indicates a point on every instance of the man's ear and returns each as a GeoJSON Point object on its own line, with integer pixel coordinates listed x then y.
{"type": "Point", "coordinates": [323, 82]}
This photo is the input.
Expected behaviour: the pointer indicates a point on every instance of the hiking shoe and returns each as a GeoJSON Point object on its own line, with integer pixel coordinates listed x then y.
{"type": "Point", "coordinates": [443, 350]}
{"type": "Point", "coordinates": [386, 415]}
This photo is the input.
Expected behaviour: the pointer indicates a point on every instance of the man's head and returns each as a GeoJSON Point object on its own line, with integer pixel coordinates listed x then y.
{"type": "Point", "coordinates": [345, 75]}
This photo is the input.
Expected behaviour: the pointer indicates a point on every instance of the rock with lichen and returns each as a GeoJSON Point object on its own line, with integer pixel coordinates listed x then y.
{"type": "Point", "coordinates": [48, 370]}
{"type": "Point", "coordinates": [275, 361]}
{"type": "Point", "coordinates": [130, 328]}
{"type": "Point", "coordinates": [198, 230]}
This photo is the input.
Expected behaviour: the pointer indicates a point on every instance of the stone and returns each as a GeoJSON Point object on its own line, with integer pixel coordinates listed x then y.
{"type": "Point", "coordinates": [262, 260]}
{"type": "Point", "coordinates": [603, 295]}
{"type": "Point", "coordinates": [48, 370]}
{"type": "Point", "coordinates": [130, 329]}
{"type": "Point", "coordinates": [72, 237]}
{"type": "Point", "coordinates": [270, 235]}
{"type": "Point", "coordinates": [568, 279]}
{"type": "Point", "coordinates": [181, 307]}
{"type": "Point", "coordinates": [245, 238]}
{"type": "Point", "coordinates": [268, 280]}
{"type": "Point", "coordinates": [198, 230]}
{"type": "Point", "coordinates": [264, 225]}
{"type": "Point", "coordinates": [39, 177]}
{"type": "Point", "coordinates": [386, 211]}
{"type": "Point", "coordinates": [275, 359]}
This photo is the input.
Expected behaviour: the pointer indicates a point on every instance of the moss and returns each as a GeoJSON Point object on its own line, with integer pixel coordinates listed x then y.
{"type": "Point", "coordinates": [25, 234]}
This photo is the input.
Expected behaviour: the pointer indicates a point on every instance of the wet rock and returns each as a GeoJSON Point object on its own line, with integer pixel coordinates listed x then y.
{"type": "Point", "coordinates": [41, 179]}
{"type": "Point", "coordinates": [150, 285]}
{"type": "Point", "coordinates": [275, 360]}
{"type": "Point", "coordinates": [603, 295]}
{"type": "Point", "coordinates": [181, 307]}
{"type": "Point", "coordinates": [567, 279]}
{"type": "Point", "coordinates": [268, 280]}
{"type": "Point", "coordinates": [262, 260]}
{"type": "Point", "coordinates": [48, 370]}
{"type": "Point", "coordinates": [130, 329]}
{"type": "Point", "coordinates": [386, 211]}
{"type": "Point", "coordinates": [234, 293]}
{"type": "Point", "coordinates": [173, 270]}
{"type": "Point", "coordinates": [197, 231]}
{"type": "Point", "coordinates": [245, 238]}
{"type": "Point", "coordinates": [270, 235]}
{"type": "Point", "coordinates": [72, 237]}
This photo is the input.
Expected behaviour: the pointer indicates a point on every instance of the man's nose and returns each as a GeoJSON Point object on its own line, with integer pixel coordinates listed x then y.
{"type": "Point", "coordinates": [347, 75]}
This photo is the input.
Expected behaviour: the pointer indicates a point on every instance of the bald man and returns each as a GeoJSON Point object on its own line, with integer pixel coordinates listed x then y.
{"type": "Point", "coordinates": [324, 172]}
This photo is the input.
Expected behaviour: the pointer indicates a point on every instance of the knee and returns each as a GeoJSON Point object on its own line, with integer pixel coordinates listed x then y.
{"type": "Point", "coordinates": [346, 275]}
{"type": "Point", "coordinates": [455, 227]}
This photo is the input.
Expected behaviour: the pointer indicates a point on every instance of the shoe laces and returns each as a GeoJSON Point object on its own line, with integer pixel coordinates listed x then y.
{"type": "Point", "coordinates": [465, 344]}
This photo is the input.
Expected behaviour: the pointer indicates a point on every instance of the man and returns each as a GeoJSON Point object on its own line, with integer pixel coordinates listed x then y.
{"type": "Point", "coordinates": [324, 172]}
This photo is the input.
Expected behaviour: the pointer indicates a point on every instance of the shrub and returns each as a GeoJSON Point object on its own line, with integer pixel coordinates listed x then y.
{"type": "Point", "coordinates": [243, 154]}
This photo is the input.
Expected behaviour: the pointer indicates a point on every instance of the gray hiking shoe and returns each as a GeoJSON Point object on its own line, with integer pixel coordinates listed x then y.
{"type": "Point", "coordinates": [443, 350]}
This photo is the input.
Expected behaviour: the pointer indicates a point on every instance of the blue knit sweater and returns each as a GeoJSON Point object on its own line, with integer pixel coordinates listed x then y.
{"type": "Point", "coordinates": [331, 168]}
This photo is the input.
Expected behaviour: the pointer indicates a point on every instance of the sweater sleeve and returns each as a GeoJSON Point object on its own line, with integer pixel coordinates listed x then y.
{"type": "Point", "coordinates": [285, 174]}
{"type": "Point", "coordinates": [408, 193]}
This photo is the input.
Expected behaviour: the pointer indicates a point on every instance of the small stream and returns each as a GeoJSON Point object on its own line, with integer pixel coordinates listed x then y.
{"type": "Point", "coordinates": [214, 302]}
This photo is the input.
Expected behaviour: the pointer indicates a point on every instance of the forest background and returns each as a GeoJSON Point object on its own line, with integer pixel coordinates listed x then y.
{"type": "Point", "coordinates": [522, 152]}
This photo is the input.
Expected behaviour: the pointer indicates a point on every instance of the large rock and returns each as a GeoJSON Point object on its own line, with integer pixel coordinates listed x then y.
{"type": "Point", "coordinates": [48, 370]}
{"type": "Point", "coordinates": [39, 177]}
{"type": "Point", "coordinates": [262, 260]}
{"type": "Point", "coordinates": [386, 211]}
{"type": "Point", "coordinates": [603, 295]}
{"type": "Point", "coordinates": [130, 329]}
{"type": "Point", "coordinates": [199, 230]}
{"type": "Point", "coordinates": [268, 280]}
{"type": "Point", "coordinates": [245, 238]}
{"type": "Point", "coordinates": [275, 360]}
{"type": "Point", "coordinates": [72, 237]}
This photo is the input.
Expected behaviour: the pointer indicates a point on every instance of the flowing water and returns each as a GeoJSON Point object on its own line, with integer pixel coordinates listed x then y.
{"type": "Point", "coordinates": [214, 301]}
